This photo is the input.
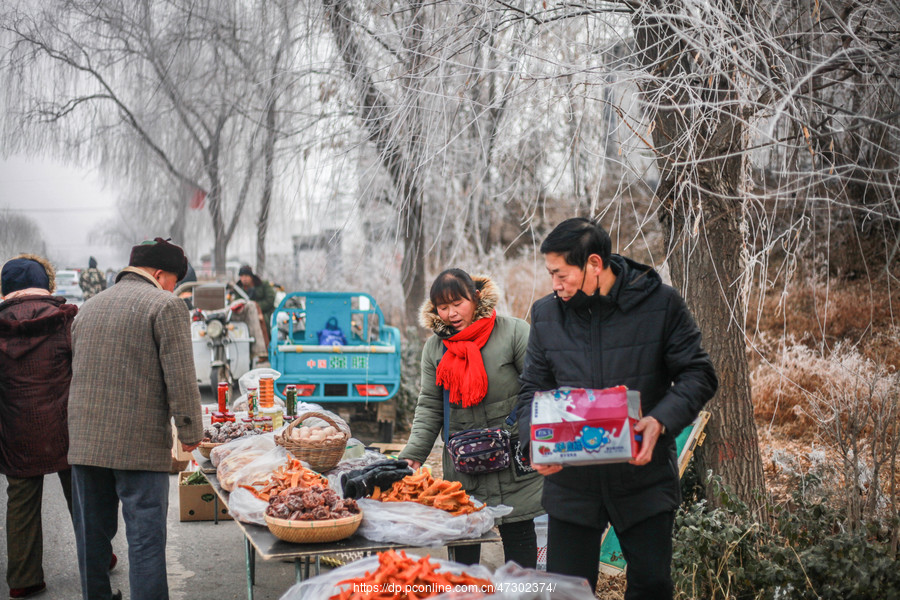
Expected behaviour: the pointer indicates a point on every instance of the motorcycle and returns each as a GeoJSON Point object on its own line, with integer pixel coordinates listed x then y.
{"type": "Point", "coordinates": [222, 344]}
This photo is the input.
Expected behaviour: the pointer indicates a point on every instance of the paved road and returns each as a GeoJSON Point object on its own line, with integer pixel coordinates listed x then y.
{"type": "Point", "coordinates": [205, 561]}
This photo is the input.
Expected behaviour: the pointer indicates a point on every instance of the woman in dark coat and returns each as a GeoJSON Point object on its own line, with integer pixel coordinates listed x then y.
{"type": "Point", "coordinates": [35, 370]}
{"type": "Point", "coordinates": [482, 388]}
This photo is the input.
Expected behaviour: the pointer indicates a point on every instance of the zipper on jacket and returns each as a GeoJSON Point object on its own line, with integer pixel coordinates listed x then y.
{"type": "Point", "coordinates": [596, 359]}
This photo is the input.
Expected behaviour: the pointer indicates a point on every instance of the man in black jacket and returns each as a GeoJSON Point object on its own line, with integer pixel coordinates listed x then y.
{"type": "Point", "coordinates": [611, 321]}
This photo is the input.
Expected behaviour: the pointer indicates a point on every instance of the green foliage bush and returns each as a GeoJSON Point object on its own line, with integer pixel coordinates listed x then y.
{"type": "Point", "coordinates": [803, 552]}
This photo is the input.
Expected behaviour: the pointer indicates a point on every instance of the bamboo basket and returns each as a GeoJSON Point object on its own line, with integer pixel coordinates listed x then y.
{"type": "Point", "coordinates": [206, 447]}
{"type": "Point", "coordinates": [321, 456]}
{"type": "Point", "coordinates": [313, 532]}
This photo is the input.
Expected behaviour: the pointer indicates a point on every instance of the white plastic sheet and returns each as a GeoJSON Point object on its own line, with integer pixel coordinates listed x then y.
{"type": "Point", "coordinates": [260, 443]}
{"type": "Point", "coordinates": [244, 506]}
{"type": "Point", "coordinates": [509, 582]}
{"type": "Point", "coordinates": [419, 525]}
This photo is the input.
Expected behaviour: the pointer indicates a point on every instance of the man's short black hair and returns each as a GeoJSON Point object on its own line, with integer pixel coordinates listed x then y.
{"type": "Point", "coordinates": [576, 239]}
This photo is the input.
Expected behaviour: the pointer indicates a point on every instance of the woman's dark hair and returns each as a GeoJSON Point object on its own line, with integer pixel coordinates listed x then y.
{"type": "Point", "coordinates": [452, 285]}
{"type": "Point", "coordinates": [576, 239]}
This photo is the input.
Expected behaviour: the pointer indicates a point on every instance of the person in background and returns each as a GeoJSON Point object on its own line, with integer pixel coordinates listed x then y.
{"type": "Point", "coordinates": [259, 291]}
{"type": "Point", "coordinates": [258, 313]}
{"type": "Point", "coordinates": [132, 370]}
{"type": "Point", "coordinates": [110, 278]}
{"type": "Point", "coordinates": [35, 371]}
{"type": "Point", "coordinates": [474, 358]}
{"type": "Point", "coordinates": [92, 281]}
{"type": "Point", "coordinates": [189, 276]}
{"type": "Point", "coordinates": [611, 321]}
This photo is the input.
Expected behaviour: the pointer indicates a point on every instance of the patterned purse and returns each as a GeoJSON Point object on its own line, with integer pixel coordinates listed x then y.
{"type": "Point", "coordinates": [476, 451]}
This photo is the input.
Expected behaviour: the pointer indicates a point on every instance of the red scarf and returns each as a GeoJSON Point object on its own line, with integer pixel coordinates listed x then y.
{"type": "Point", "coordinates": [461, 370]}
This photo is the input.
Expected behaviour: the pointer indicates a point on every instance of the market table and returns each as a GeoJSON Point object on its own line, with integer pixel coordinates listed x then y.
{"type": "Point", "coordinates": [258, 539]}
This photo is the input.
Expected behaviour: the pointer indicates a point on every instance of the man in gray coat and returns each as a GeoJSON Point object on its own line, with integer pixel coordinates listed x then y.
{"type": "Point", "coordinates": [132, 372]}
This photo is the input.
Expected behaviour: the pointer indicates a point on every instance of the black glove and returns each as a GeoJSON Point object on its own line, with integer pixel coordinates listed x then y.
{"type": "Point", "coordinates": [359, 483]}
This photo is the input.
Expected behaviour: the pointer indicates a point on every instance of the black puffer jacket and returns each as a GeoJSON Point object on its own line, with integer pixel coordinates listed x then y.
{"type": "Point", "coordinates": [640, 335]}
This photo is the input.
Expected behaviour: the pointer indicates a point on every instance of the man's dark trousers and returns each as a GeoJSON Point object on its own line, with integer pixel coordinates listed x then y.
{"type": "Point", "coordinates": [647, 547]}
{"type": "Point", "coordinates": [144, 496]}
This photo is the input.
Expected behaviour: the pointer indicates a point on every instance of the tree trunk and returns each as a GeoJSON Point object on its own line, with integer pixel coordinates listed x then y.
{"type": "Point", "coordinates": [214, 200]}
{"type": "Point", "coordinates": [176, 229]}
{"type": "Point", "coordinates": [376, 114]}
{"type": "Point", "coordinates": [709, 274]}
{"type": "Point", "coordinates": [262, 222]}
{"type": "Point", "coordinates": [702, 200]}
{"type": "Point", "coordinates": [412, 272]}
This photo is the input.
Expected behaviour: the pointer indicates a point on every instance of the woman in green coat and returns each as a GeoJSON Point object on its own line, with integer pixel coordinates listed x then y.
{"type": "Point", "coordinates": [477, 357]}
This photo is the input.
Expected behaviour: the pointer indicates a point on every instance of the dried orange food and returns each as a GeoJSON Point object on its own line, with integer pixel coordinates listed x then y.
{"type": "Point", "coordinates": [422, 488]}
{"type": "Point", "coordinates": [292, 474]}
{"type": "Point", "coordinates": [400, 577]}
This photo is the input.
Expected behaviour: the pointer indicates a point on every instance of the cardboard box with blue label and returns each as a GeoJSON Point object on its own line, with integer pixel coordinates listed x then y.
{"type": "Point", "coordinates": [578, 426]}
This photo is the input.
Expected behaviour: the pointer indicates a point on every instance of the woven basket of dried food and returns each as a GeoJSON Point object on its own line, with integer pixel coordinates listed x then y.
{"type": "Point", "coordinates": [310, 532]}
{"type": "Point", "coordinates": [206, 447]}
{"type": "Point", "coordinates": [320, 447]}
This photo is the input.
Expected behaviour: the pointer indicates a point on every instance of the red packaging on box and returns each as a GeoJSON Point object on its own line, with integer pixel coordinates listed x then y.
{"type": "Point", "coordinates": [578, 426]}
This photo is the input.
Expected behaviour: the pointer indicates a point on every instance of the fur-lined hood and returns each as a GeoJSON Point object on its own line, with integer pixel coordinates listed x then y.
{"type": "Point", "coordinates": [48, 268]}
{"type": "Point", "coordinates": [488, 298]}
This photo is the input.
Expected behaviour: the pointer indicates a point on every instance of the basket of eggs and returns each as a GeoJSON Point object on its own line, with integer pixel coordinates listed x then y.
{"type": "Point", "coordinates": [321, 447]}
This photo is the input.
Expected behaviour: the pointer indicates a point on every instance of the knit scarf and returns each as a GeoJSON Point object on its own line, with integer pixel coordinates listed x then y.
{"type": "Point", "coordinates": [461, 370]}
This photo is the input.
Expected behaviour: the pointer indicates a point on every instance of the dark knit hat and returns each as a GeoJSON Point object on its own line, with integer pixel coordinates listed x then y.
{"type": "Point", "coordinates": [22, 273]}
{"type": "Point", "coordinates": [159, 254]}
{"type": "Point", "coordinates": [245, 270]}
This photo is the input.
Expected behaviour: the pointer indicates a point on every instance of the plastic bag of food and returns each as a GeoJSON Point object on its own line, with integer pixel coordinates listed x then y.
{"type": "Point", "coordinates": [262, 443]}
{"type": "Point", "coordinates": [513, 582]}
{"type": "Point", "coordinates": [256, 471]}
{"type": "Point", "coordinates": [244, 506]}
{"type": "Point", "coordinates": [245, 451]}
{"type": "Point", "coordinates": [419, 525]}
{"type": "Point", "coordinates": [324, 586]}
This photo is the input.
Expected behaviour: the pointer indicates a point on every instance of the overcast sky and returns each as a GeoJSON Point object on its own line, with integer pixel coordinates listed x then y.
{"type": "Point", "coordinates": [67, 204]}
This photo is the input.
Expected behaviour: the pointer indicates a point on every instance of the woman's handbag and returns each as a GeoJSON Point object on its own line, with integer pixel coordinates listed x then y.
{"type": "Point", "coordinates": [476, 451]}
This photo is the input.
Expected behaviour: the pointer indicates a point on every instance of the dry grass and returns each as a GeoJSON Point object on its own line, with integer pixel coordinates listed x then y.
{"type": "Point", "coordinates": [611, 587]}
{"type": "Point", "coordinates": [795, 333]}
{"type": "Point", "coordinates": [819, 313]}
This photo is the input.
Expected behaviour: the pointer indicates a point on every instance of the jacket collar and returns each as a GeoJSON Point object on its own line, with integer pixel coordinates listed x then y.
{"type": "Point", "coordinates": [140, 272]}
{"type": "Point", "coordinates": [487, 302]}
{"type": "Point", "coordinates": [28, 292]}
{"type": "Point", "coordinates": [634, 282]}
